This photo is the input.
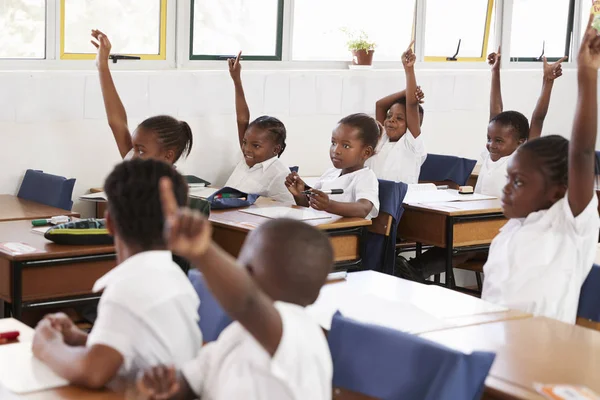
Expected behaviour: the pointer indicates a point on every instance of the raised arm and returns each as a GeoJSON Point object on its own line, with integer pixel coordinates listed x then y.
{"type": "Point", "coordinates": [551, 72]}
{"type": "Point", "coordinates": [413, 119]}
{"type": "Point", "coordinates": [496, 105]}
{"type": "Point", "coordinates": [242, 111]}
{"type": "Point", "coordinates": [188, 234]}
{"type": "Point", "coordinates": [583, 139]}
{"type": "Point", "coordinates": [115, 112]}
{"type": "Point", "coordinates": [383, 105]}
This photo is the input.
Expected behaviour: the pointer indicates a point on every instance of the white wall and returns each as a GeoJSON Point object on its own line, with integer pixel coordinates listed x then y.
{"type": "Point", "coordinates": [55, 120]}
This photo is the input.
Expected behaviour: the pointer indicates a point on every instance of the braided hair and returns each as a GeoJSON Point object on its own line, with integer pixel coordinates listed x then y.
{"type": "Point", "coordinates": [171, 133]}
{"type": "Point", "coordinates": [369, 129]}
{"type": "Point", "coordinates": [275, 127]}
{"type": "Point", "coordinates": [134, 203]}
{"type": "Point", "coordinates": [552, 157]}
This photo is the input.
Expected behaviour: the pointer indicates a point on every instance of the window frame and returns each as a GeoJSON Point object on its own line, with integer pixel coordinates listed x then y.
{"type": "Point", "coordinates": [221, 57]}
{"type": "Point", "coordinates": [486, 37]}
{"type": "Point", "coordinates": [161, 56]}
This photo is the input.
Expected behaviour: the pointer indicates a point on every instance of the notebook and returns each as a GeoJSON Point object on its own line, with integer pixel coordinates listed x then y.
{"type": "Point", "coordinates": [197, 192]}
{"type": "Point", "coordinates": [21, 372]}
{"type": "Point", "coordinates": [421, 194]}
{"type": "Point", "coordinates": [99, 197]}
{"type": "Point", "coordinates": [298, 214]}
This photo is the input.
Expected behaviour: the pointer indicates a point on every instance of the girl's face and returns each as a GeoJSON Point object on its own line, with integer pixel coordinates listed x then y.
{"type": "Point", "coordinates": [527, 189]}
{"type": "Point", "coordinates": [348, 152]}
{"type": "Point", "coordinates": [395, 122]}
{"type": "Point", "coordinates": [501, 141]}
{"type": "Point", "coordinates": [147, 147]}
{"type": "Point", "coordinates": [258, 146]}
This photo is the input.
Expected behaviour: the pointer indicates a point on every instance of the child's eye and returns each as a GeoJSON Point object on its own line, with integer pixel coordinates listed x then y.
{"type": "Point", "coordinates": [346, 146]}
{"type": "Point", "coordinates": [256, 146]}
{"type": "Point", "coordinates": [518, 182]}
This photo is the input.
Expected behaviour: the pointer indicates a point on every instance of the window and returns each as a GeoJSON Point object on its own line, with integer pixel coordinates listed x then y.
{"type": "Point", "coordinates": [222, 28]}
{"type": "Point", "coordinates": [318, 27]}
{"type": "Point", "coordinates": [121, 20]}
{"type": "Point", "coordinates": [448, 22]}
{"type": "Point", "coordinates": [22, 29]}
{"type": "Point", "coordinates": [540, 26]}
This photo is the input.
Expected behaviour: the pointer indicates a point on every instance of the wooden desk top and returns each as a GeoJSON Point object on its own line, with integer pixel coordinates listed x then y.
{"type": "Point", "coordinates": [529, 351]}
{"type": "Point", "coordinates": [246, 222]}
{"type": "Point", "coordinates": [459, 208]}
{"type": "Point", "coordinates": [20, 231]}
{"type": "Point", "coordinates": [13, 208]}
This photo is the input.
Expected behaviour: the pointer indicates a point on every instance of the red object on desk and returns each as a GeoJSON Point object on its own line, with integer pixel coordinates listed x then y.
{"type": "Point", "coordinates": [9, 335]}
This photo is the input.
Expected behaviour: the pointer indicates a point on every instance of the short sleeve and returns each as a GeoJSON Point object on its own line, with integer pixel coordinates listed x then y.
{"type": "Point", "coordinates": [414, 144]}
{"type": "Point", "coordinates": [586, 223]}
{"type": "Point", "coordinates": [128, 156]}
{"type": "Point", "coordinates": [116, 327]}
{"type": "Point", "coordinates": [367, 187]}
{"type": "Point", "coordinates": [197, 370]}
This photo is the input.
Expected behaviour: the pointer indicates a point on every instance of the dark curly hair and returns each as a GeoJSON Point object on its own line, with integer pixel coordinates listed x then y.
{"type": "Point", "coordinates": [367, 126]}
{"type": "Point", "coordinates": [134, 202]}
{"type": "Point", "coordinates": [517, 121]}
{"type": "Point", "coordinates": [171, 133]}
{"type": "Point", "coordinates": [552, 156]}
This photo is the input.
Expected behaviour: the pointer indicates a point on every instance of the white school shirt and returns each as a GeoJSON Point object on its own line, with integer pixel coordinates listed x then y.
{"type": "Point", "coordinates": [148, 312]}
{"type": "Point", "coordinates": [361, 184]}
{"type": "Point", "coordinates": [398, 161]}
{"type": "Point", "coordinates": [492, 176]}
{"type": "Point", "coordinates": [236, 366]}
{"type": "Point", "coordinates": [538, 264]}
{"type": "Point", "coordinates": [266, 179]}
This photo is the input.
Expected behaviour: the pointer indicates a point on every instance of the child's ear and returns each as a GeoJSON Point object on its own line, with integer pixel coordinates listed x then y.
{"type": "Point", "coordinates": [521, 141]}
{"type": "Point", "coordinates": [170, 156]}
{"type": "Point", "coordinates": [277, 149]}
{"type": "Point", "coordinates": [369, 151]}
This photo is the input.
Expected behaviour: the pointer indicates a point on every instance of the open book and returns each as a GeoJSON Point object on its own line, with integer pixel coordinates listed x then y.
{"type": "Point", "coordinates": [429, 193]}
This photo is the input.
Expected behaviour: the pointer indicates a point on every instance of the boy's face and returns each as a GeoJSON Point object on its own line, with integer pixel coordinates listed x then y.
{"type": "Point", "coordinates": [258, 146]}
{"type": "Point", "coordinates": [146, 146]}
{"type": "Point", "coordinates": [526, 189]}
{"type": "Point", "coordinates": [395, 122]}
{"type": "Point", "coordinates": [347, 151]}
{"type": "Point", "coordinates": [501, 141]}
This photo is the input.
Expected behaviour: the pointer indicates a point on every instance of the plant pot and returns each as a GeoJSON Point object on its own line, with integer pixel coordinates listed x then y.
{"type": "Point", "coordinates": [362, 57]}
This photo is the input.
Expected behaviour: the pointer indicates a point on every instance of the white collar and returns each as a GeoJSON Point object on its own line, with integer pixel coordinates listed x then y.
{"type": "Point", "coordinates": [143, 260]}
{"type": "Point", "coordinates": [264, 165]}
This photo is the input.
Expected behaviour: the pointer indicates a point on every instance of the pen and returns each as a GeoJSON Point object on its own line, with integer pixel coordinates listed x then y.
{"type": "Point", "coordinates": [332, 191]}
{"type": "Point", "coordinates": [61, 219]}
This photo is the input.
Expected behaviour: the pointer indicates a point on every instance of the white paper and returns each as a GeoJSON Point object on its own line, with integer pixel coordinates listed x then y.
{"type": "Point", "coordinates": [421, 187]}
{"type": "Point", "coordinates": [439, 196]}
{"type": "Point", "coordinates": [99, 196]}
{"type": "Point", "coordinates": [42, 230]}
{"type": "Point", "coordinates": [201, 192]}
{"type": "Point", "coordinates": [444, 303]}
{"type": "Point", "coordinates": [21, 372]}
{"type": "Point", "coordinates": [288, 212]}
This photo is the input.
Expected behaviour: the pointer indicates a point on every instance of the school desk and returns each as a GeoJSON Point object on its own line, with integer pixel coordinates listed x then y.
{"type": "Point", "coordinates": [64, 393]}
{"type": "Point", "coordinates": [528, 351]}
{"type": "Point", "coordinates": [13, 208]}
{"type": "Point", "coordinates": [458, 226]}
{"type": "Point", "coordinates": [230, 228]}
{"type": "Point", "coordinates": [50, 275]}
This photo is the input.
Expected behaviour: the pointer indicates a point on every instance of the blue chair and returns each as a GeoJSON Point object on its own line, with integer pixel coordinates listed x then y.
{"type": "Point", "coordinates": [380, 244]}
{"type": "Point", "coordinates": [441, 168]}
{"type": "Point", "coordinates": [51, 190]}
{"type": "Point", "coordinates": [213, 319]}
{"type": "Point", "coordinates": [295, 169]}
{"type": "Point", "coordinates": [388, 364]}
{"type": "Point", "coordinates": [589, 298]}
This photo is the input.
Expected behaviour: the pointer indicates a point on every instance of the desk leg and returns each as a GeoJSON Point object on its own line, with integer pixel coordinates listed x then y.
{"type": "Point", "coordinates": [449, 247]}
{"type": "Point", "coordinates": [17, 301]}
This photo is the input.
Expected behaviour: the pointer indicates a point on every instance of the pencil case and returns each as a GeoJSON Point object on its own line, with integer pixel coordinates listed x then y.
{"type": "Point", "coordinates": [231, 198]}
{"type": "Point", "coordinates": [82, 232]}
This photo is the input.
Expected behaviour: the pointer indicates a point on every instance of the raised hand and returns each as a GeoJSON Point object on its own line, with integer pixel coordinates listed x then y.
{"type": "Point", "coordinates": [295, 184]}
{"type": "Point", "coordinates": [553, 71]}
{"type": "Point", "coordinates": [408, 57]}
{"type": "Point", "coordinates": [420, 95]}
{"type": "Point", "coordinates": [103, 45]}
{"type": "Point", "coordinates": [187, 233]}
{"type": "Point", "coordinates": [494, 59]}
{"type": "Point", "coordinates": [235, 68]}
{"type": "Point", "coordinates": [589, 51]}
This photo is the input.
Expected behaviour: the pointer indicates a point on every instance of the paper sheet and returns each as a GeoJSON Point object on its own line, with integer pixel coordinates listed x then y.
{"type": "Point", "coordinates": [42, 230]}
{"type": "Point", "coordinates": [440, 196]}
{"type": "Point", "coordinates": [21, 372]}
{"type": "Point", "coordinates": [445, 303]}
{"type": "Point", "coordinates": [99, 196]}
{"type": "Point", "coordinates": [421, 187]}
{"type": "Point", "coordinates": [201, 192]}
{"type": "Point", "coordinates": [288, 212]}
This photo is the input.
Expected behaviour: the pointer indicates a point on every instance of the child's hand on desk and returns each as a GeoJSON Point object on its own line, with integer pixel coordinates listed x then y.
{"type": "Point", "coordinates": [295, 184]}
{"type": "Point", "coordinates": [589, 50]}
{"type": "Point", "coordinates": [159, 383]}
{"type": "Point", "coordinates": [318, 200]}
{"type": "Point", "coordinates": [494, 60]}
{"type": "Point", "coordinates": [553, 71]}
{"type": "Point", "coordinates": [45, 336]}
{"type": "Point", "coordinates": [187, 233]}
{"type": "Point", "coordinates": [72, 335]}
{"type": "Point", "coordinates": [103, 47]}
{"type": "Point", "coordinates": [408, 57]}
{"type": "Point", "coordinates": [235, 68]}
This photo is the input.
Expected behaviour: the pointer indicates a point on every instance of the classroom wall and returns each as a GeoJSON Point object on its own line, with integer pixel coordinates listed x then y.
{"type": "Point", "coordinates": [55, 121]}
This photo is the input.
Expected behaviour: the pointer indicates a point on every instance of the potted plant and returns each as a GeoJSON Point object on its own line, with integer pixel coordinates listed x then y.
{"type": "Point", "coordinates": [360, 46]}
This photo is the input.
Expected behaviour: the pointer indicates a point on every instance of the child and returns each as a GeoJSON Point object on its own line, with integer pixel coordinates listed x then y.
{"type": "Point", "coordinates": [160, 137]}
{"type": "Point", "coordinates": [541, 257]}
{"type": "Point", "coordinates": [508, 130]}
{"type": "Point", "coordinates": [352, 143]}
{"type": "Point", "coordinates": [399, 157]}
{"type": "Point", "coordinates": [262, 142]}
{"type": "Point", "coordinates": [148, 312]}
{"type": "Point", "coordinates": [274, 350]}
